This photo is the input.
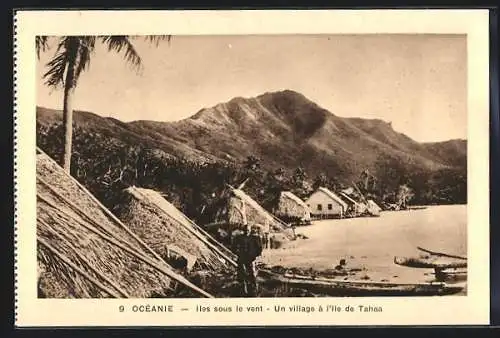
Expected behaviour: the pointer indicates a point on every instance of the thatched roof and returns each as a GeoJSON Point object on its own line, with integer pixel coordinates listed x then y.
{"type": "Point", "coordinates": [349, 199]}
{"type": "Point", "coordinates": [348, 191]}
{"type": "Point", "coordinates": [373, 205]}
{"type": "Point", "coordinates": [359, 207]}
{"type": "Point", "coordinates": [241, 208]}
{"type": "Point", "coordinates": [84, 251]}
{"type": "Point", "coordinates": [163, 227]}
{"type": "Point", "coordinates": [291, 205]}
{"type": "Point", "coordinates": [295, 198]}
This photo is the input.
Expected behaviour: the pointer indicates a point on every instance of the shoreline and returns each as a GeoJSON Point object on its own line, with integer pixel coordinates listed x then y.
{"type": "Point", "coordinates": [369, 245]}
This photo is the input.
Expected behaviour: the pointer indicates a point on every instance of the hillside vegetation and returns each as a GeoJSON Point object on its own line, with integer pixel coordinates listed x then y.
{"type": "Point", "coordinates": [279, 140]}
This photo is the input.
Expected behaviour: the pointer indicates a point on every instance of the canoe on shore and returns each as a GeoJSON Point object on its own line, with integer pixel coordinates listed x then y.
{"type": "Point", "coordinates": [339, 288]}
{"type": "Point", "coordinates": [441, 254]}
{"type": "Point", "coordinates": [416, 207]}
{"type": "Point", "coordinates": [439, 261]}
{"type": "Point", "coordinates": [413, 262]}
{"type": "Point", "coordinates": [451, 275]}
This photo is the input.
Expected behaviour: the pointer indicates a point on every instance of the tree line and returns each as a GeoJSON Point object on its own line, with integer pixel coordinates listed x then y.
{"type": "Point", "coordinates": [106, 165]}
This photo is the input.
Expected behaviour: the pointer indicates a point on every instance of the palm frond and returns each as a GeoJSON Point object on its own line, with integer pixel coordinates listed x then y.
{"type": "Point", "coordinates": [41, 44]}
{"type": "Point", "coordinates": [75, 52]}
{"type": "Point", "coordinates": [66, 54]}
{"type": "Point", "coordinates": [57, 67]}
{"type": "Point", "coordinates": [156, 39]}
{"type": "Point", "coordinates": [85, 50]}
{"type": "Point", "coordinates": [122, 43]}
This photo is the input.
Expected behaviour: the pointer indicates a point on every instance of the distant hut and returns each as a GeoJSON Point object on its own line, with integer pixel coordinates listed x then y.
{"type": "Point", "coordinates": [170, 233]}
{"type": "Point", "coordinates": [84, 251]}
{"type": "Point", "coordinates": [324, 203]}
{"type": "Point", "coordinates": [292, 209]}
{"type": "Point", "coordinates": [348, 191]}
{"type": "Point", "coordinates": [357, 208]}
{"type": "Point", "coordinates": [373, 208]}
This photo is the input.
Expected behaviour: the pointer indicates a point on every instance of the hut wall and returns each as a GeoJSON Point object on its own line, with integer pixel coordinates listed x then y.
{"type": "Point", "coordinates": [319, 203]}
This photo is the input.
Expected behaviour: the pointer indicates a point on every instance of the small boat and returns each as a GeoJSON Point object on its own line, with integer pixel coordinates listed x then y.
{"type": "Point", "coordinates": [451, 275]}
{"type": "Point", "coordinates": [429, 263]}
{"type": "Point", "coordinates": [416, 207]}
{"type": "Point", "coordinates": [447, 268]}
{"type": "Point", "coordinates": [353, 288]}
{"type": "Point", "coordinates": [433, 260]}
{"type": "Point", "coordinates": [441, 254]}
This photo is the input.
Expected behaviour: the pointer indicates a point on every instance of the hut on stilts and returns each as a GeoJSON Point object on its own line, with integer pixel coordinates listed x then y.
{"type": "Point", "coordinates": [292, 209]}
{"type": "Point", "coordinates": [84, 251]}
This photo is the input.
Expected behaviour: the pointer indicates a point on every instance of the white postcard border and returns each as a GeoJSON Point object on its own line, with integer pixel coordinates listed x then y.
{"type": "Point", "coordinates": [470, 309]}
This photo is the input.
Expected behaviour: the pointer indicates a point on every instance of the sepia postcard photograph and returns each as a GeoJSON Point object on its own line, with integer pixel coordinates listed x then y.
{"type": "Point", "coordinates": [285, 168]}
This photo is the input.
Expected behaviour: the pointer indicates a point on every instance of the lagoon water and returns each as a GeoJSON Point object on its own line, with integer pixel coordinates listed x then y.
{"type": "Point", "coordinates": [372, 243]}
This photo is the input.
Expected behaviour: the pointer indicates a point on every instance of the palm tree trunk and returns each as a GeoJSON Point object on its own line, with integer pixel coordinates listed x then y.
{"type": "Point", "coordinates": [69, 89]}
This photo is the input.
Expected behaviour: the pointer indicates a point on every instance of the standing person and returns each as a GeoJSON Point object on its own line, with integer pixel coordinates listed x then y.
{"type": "Point", "coordinates": [247, 246]}
{"type": "Point", "coordinates": [266, 229]}
{"type": "Point", "coordinates": [223, 236]}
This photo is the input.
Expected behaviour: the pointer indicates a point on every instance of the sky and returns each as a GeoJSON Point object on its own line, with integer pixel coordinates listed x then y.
{"type": "Point", "coordinates": [416, 82]}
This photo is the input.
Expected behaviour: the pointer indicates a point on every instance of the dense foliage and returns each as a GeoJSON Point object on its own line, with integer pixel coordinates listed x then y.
{"type": "Point", "coordinates": [107, 165]}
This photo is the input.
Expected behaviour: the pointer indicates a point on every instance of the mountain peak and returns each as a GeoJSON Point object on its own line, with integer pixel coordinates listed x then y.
{"type": "Point", "coordinates": [288, 94]}
{"type": "Point", "coordinates": [237, 100]}
{"type": "Point", "coordinates": [287, 114]}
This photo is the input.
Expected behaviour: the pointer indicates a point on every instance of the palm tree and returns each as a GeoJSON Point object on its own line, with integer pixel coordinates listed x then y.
{"type": "Point", "coordinates": [41, 44]}
{"type": "Point", "coordinates": [405, 193]}
{"type": "Point", "coordinates": [71, 59]}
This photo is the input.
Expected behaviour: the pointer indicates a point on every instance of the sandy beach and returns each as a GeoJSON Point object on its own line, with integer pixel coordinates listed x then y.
{"type": "Point", "coordinates": [372, 243]}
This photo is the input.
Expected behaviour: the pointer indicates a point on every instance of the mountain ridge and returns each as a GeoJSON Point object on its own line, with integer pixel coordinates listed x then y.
{"type": "Point", "coordinates": [283, 129]}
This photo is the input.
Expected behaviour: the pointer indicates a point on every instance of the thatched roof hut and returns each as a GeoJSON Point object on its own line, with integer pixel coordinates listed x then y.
{"type": "Point", "coordinates": [358, 207]}
{"type": "Point", "coordinates": [242, 209]}
{"type": "Point", "coordinates": [165, 228]}
{"type": "Point", "coordinates": [373, 208]}
{"type": "Point", "coordinates": [291, 206]}
{"type": "Point", "coordinates": [84, 251]}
